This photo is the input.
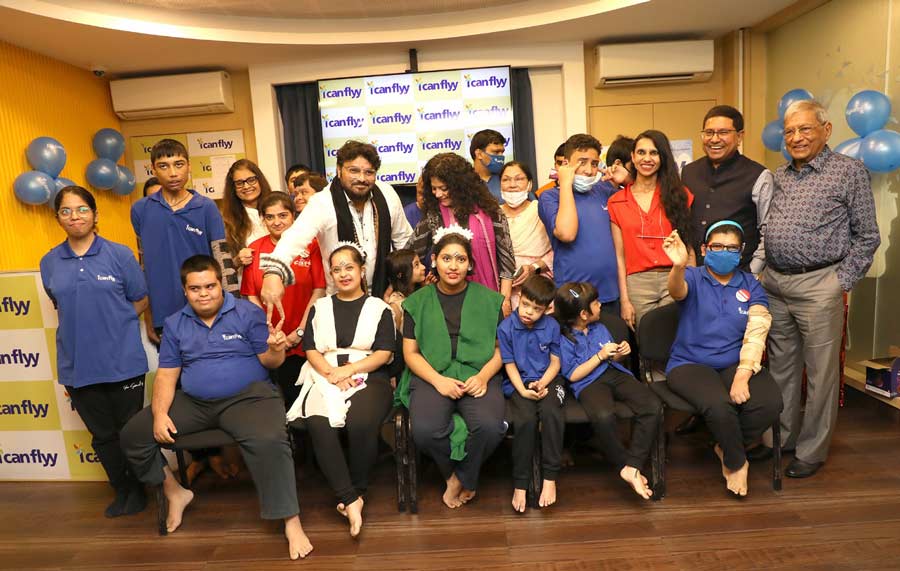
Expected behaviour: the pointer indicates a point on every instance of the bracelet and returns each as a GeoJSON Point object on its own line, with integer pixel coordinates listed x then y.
{"type": "Point", "coordinates": [598, 357]}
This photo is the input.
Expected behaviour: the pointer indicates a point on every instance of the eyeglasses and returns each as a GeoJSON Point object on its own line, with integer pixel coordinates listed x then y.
{"type": "Point", "coordinates": [716, 247]}
{"type": "Point", "coordinates": [80, 211]}
{"type": "Point", "coordinates": [805, 131]}
{"type": "Point", "coordinates": [249, 181]}
{"type": "Point", "coordinates": [356, 171]}
{"type": "Point", "coordinates": [517, 180]}
{"type": "Point", "coordinates": [722, 133]}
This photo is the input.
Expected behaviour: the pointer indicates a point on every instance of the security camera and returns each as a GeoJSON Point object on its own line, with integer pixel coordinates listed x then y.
{"type": "Point", "coordinates": [98, 70]}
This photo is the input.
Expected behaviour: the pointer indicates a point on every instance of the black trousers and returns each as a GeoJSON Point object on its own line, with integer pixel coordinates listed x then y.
{"type": "Point", "coordinates": [431, 416]}
{"type": "Point", "coordinates": [598, 400]}
{"type": "Point", "coordinates": [253, 417]}
{"type": "Point", "coordinates": [105, 408]}
{"type": "Point", "coordinates": [286, 376]}
{"type": "Point", "coordinates": [734, 426]}
{"type": "Point", "coordinates": [348, 475]}
{"type": "Point", "coordinates": [526, 414]}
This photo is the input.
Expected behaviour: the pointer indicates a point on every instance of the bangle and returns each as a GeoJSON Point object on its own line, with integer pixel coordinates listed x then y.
{"type": "Point", "coordinates": [598, 357]}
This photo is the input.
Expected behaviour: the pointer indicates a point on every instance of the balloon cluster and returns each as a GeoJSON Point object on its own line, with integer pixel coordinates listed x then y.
{"type": "Point", "coordinates": [867, 113]}
{"type": "Point", "coordinates": [103, 172]}
{"type": "Point", "coordinates": [47, 157]}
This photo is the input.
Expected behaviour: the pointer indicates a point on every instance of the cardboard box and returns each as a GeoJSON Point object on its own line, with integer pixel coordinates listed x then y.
{"type": "Point", "coordinates": [883, 376]}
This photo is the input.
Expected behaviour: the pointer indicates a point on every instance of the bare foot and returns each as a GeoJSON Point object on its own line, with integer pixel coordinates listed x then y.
{"type": "Point", "coordinates": [195, 469]}
{"type": "Point", "coordinates": [233, 460]}
{"type": "Point", "coordinates": [637, 481]}
{"type": "Point", "coordinates": [178, 499]}
{"type": "Point", "coordinates": [735, 480]}
{"type": "Point", "coordinates": [298, 544]}
{"type": "Point", "coordinates": [451, 494]}
{"type": "Point", "coordinates": [466, 495]}
{"type": "Point", "coordinates": [567, 460]}
{"type": "Point", "coordinates": [548, 494]}
{"type": "Point", "coordinates": [519, 500]}
{"type": "Point", "coordinates": [218, 465]}
{"type": "Point", "coordinates": [353, 513]}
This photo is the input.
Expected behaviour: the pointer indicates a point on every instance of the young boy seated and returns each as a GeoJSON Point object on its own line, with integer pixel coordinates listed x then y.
{"type": "Point", "coordinates": [529, 347]}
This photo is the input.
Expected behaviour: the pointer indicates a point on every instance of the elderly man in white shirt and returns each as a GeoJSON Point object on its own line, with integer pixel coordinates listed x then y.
{"type": "Point", "coordinates": [354, 209]}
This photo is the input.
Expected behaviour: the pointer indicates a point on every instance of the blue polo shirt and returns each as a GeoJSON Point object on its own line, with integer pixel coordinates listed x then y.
{"type": "Point", "coordinates": [168, 239]}
{"type": "Point", "coordinates": [584, 348]}
{"type": "Point", "coordinates": [529, 349]}
{"type": "Point", "coordinates": [591, 256]}
{"type": "Point", "coordinates": [99, 336]}
{"type": "Point", "coordinates": [714, 318]}
{"type": "Point", "coordinates": [219, 361]}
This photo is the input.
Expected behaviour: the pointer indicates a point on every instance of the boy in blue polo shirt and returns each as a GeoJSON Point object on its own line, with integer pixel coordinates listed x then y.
{"type": "Point", "coordinates": [529, 347]}
{"type": "Point", "coordinates": [173, 225]}
{"type": "Point", "coordinates": [221, 348]}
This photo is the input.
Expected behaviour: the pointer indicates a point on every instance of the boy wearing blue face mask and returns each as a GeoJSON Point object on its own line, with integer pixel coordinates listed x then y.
{"type": "Point", "coordinates": [487, 150]}
{"type": "Point", "coordinates": [715, 360]}
{"type": "Point", "coordinates": [576, 217]}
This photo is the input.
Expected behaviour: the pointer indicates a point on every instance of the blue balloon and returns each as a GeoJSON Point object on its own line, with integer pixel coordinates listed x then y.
{"type": "Point", "coordinates": [109, 144]}
{"type": "Point", "coordinates": [792, 96]}
{"type": "Point", "coordinates": [47, 155]}
{"type": "Point", "coordinates": [124, 180]}
{"type": "Point", "coordinates": [880, 150]}
{"type": "Point", "coordinates": [34, 187]}
{"type": "Point", "coordinates": [868, 111]}
{"type": "Point", "coordinates": [773, 135]}
{"type": "Point", "coordinates": [59, 184]}
{"type": "Point", "coordinates": [850, 147]}
{"type": "Point", "coordinates": [784, 152]}
{"type": "Point", "coordinates": [101, 173]}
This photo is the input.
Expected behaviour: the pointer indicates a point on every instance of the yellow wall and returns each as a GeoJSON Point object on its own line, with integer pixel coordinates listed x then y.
{"type": "Point", "coordinates": [45, 97]}
{"type": "Point", "coordinates": [241, 118]}
{"type": "Point", "coordinates": [835, 51]}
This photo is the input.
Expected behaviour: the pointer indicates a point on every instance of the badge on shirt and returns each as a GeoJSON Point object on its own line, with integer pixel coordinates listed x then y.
{"type": "Point", "coordinates": [232, 337]}
{"type": "Point", "coordinates": [742, 295]}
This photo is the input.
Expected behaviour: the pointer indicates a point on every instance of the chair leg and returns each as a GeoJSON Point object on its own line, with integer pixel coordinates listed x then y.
{"type": "Point", "coordinates": [776, 455]}
{"type": "Point", "coordinates": [658, 460]}
{"type": "Point", "coordinates": [162, 511]}
{"type": "Point", "coordinates": [400, 459]}
{"type": "Point", "coordinates": [412, 474]}
{"type": "Point", "coordinates": [537, 472]}
{"type": "Point", "coordinates": [182, 468]}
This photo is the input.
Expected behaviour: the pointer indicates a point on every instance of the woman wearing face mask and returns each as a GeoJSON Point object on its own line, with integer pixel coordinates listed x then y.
{"type": "Point", "coordinates": [245, 189]}
{"type": "Point", "coordinates": [455, 195]}
{"type": "Point", "coordinates": [529, 237]}
{"type": "Point", "coordinates": [309, 285]}
{"type": "Point", "coordinates": [642, 215]}
{"type": "Point", "coordinates": [715, 360]}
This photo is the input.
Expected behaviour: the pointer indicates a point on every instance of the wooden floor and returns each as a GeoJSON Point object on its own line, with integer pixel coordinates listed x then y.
{"type": "Point", "coordinates": [845, 518]}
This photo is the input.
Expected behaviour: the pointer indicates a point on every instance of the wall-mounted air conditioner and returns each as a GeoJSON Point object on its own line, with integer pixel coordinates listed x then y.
{"type": "Point", "coordinates": [172, 95]}
{"type": "Point", "coordinates": [654, 63]}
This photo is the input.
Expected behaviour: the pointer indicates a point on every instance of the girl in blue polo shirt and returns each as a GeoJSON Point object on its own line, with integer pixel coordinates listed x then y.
{"type": "Point", "coordinates": [99, 291]}
{"type": "Point", "coordinates": [715, 360]}
{"type": "Point", "coordinates": [590, 361]}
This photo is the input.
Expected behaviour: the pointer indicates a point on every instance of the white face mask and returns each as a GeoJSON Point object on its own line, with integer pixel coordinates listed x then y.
{"type": "Point", "coordinates": [583, 183]}
{"type": "Point", "coordinates": [514, 199]}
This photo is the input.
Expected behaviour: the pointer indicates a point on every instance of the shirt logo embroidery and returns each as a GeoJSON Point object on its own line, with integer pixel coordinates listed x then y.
{"type": "Point", "coordinates": [742, 295]}
{"type": "Point", "coordinates": [301, 262]}
{"type": "Point", "coordinates": [232, 336]}
{"type": "Point", "coordinates": [543, 347]}
{"type": "Point", "coordinates": [196, 231]}
{"type": "Point", "coordinates": [106, 278]}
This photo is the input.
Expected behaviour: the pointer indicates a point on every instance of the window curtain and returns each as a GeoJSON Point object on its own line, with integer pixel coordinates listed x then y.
{"type": "Point", "coordinates": [301, 125]}
{"type": "Point", "coordinates": [523, 117]}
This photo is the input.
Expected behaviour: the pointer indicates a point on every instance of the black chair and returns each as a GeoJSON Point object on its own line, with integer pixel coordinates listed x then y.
{"type": "Point", "coordinates": [656, 335]}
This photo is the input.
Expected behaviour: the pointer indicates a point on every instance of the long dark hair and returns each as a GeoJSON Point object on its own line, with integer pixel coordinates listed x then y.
{"type": "Point", "coordinates": [400, 270]}
{"type": "Point", "coordinates": [571, 299]}
{"type": "Point", "coordinates": [671, 190]}
{"type": "Point", "coordinates": [237, 223]}
{"type": "Point", "coordinates": [467, 190]}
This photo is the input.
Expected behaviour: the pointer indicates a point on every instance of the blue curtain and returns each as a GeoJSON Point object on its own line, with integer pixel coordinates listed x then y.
{"type": "Point", "coordinates": [523, 117]}
{"type": "Point", "coordinates": [302, 125]}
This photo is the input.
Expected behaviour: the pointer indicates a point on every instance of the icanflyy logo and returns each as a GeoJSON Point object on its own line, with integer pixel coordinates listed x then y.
{"type": "Point", "coordinates": [209, 188]}
{"type": "Point", "coordinates": [447, 144]}
{"type": "Point", "coordinates": [399, 177]}
{"type": "Point", "coordinates": [106, 278]}
{"type": "Point", "coordinates": [10, 305]}
{"type": "Point", "coordinates": [397, 147]}
{"type": "Point", "coordinates": [196, 231]}
{"type": "Point", "coordinates": [394, 88]}
{"type": "Point", "coordinates": [397, 118]}
{"type": "Point", "coordinates": [19, 357]}
{"type": "Point", "coordinates": [337, 93]}
{"type": "Point", "coordinates": [442, 115]}
{"type": "Point", "coordinates": [86, 456]}
{"type": "Point", "coordinates": [507, 139]}
{"type": "Point", "coordinates": [25, 408]}
{"type": "Point", "coordinates": [220, 144]}
{"type": "Point", "coordinates": [442, 85]}
{"type": "Point", "coordinates": [34, 456]}
{"type": "Point", "coordinates": [348, 121]}
{"type": "Point", "coordinates": [330, 151]}
{"type": "Point", "coordinates": [231, 336]}
{"type": "Point", "coordinates": [490, 81]}
{"type": "Point", "coordinates": [475, 112]}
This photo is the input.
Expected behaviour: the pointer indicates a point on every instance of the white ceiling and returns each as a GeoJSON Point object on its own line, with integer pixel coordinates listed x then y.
{"type": "Point", "coordinates": [180, 35]}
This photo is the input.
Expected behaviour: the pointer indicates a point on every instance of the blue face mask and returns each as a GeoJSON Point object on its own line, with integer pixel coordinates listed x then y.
{"type": "Point", "coordinates": [722, 263]}
{"type": "Point", "coordinates": [583, 183]}
{"type": "Point", "coordinates": [496, 164]}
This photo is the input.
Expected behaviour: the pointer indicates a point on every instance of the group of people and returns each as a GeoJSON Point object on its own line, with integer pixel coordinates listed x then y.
{"type": "Point", "coordinates": [332, 302]}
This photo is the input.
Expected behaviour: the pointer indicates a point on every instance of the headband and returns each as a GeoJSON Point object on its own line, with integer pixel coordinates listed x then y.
{"type": "Point", "coordinates": [453, 229]}
{"type": "Point", "coordinates": [723, 223]}
{"type": "Point", "coordinates": [354, 245]}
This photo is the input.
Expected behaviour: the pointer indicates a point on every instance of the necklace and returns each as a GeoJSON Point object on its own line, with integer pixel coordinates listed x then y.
{"type": "Point", "coordinates": [172, 205]}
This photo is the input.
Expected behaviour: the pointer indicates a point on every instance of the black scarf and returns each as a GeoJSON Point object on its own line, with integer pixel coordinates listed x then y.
{"type": "Point", "coordinates": [347, 231]}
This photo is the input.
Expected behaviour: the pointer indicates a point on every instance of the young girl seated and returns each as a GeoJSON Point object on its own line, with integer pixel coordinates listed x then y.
{"type": "Point", "coordinates": [591, 361]}
{"type": "Point", "coordinates": [349, 340]}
